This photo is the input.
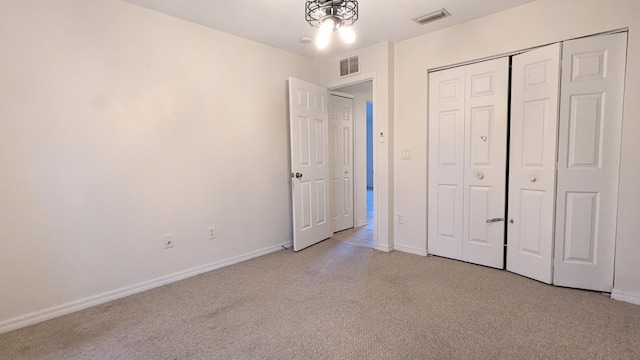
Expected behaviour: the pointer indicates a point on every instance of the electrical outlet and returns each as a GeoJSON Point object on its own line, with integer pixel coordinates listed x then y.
{"type": "Point", "coordinates": [212, 233]}
{"type": "Point", "coordinates": [400, 218]}
{"type": "Point", "coordinates": [168, 241]}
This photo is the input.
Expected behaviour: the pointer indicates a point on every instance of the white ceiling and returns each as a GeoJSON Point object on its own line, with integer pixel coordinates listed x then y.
{"type": "Point", "coordinates": [281, 23]}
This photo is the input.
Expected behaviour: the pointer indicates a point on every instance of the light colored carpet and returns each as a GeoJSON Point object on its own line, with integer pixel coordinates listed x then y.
{"type": "Point", "coordinates": [336, 300]}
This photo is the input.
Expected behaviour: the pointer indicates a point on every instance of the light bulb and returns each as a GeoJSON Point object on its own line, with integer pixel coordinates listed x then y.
{"type": "Point", "coordinates": [347, 34]}
{"type": "Point", "coordinates": [326, 28]}
{"type": "Point", "coordinates": [322, 40]}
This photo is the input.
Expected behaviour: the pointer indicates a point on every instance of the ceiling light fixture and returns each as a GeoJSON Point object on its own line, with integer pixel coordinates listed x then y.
{"type": "Point", "coordinates": [330, 16]}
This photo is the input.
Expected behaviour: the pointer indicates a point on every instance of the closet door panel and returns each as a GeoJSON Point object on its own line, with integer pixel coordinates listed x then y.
{"type": "Point", "coordinates": [532, 166]}
{"type": "Point", "coordinates": [446, 162]}
{"type": "Point", "coordinates": [486, 100]}
{"type": "Point", "coordinates": [593, 71]}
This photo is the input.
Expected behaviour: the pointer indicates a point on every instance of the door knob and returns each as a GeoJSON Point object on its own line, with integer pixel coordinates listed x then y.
{"type": "Point", "coordinates": [511, 221]}
{"type": "Point", "coordinates": [533, 179]}
{"type": "Point", "coordinates": [298, 175]}
{"type": "Point", "coordinates": [480, 176]}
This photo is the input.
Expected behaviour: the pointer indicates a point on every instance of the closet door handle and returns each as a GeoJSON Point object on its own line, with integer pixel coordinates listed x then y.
{"type": "Point", "coordinates": [495, 220]}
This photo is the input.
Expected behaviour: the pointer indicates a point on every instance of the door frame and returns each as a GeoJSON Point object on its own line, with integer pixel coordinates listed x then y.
{"type": "Point", "coordinates": [353, 80]}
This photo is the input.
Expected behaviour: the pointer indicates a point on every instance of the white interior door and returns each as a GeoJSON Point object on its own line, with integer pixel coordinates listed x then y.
{"type": "Point", "coordinates": [532, 164]}
{"type": "Point", "coordinates": [446, 162]}
{"type": "Point", "coordinates": [341, 125]}
{"type": "Point", "coordinates": [467, 162]}
{"type": "Point", "coordinates": [592, 90]}
{"type": "Point", "coordinates": [309, 130]}
{"type": "Point", "coordinates": [486, 117]}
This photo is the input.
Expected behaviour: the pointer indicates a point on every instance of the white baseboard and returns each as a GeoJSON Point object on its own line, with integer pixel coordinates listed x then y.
{"type": "Point", "coordinates": [385, 248]}
{"type": "Point", "coordinates": [629, 297]}
{"type": "Point", "coordinates": [70, 307]}
{"type": "Point", "coordinates": [361, 223]}
{"type": "Point", "coordinates": [410, 249]}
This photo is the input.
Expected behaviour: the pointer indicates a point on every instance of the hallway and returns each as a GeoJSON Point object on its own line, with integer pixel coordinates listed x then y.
{"type": "Point", "coordinates": [363, 235]}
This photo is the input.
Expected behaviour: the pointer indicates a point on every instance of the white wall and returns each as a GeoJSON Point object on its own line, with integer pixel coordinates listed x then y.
{"type": "Point", "coordinates": [537, 23]}
{"type": "Point", "coordinates": [360, 155]}
{"type": "Point", "coordinates": [118, 125]}
{"type": "Point", "coordinates": [375, 62]}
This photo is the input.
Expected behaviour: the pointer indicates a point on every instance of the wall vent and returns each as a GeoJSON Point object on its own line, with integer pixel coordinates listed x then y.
{"type": "Point", "coordinates": [349, 66]}
{"type": "Point", "coordinates": [436, 15]}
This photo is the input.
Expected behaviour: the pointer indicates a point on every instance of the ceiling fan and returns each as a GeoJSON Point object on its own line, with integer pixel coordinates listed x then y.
{"type": "Point", "coordinates": [330, 16]}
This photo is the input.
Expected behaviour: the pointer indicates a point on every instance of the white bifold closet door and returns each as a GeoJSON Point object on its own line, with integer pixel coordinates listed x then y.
{"type": "Point", "coordinates": [535, 85]}
{"type": "Point", "coordinates": [565, 137]}
{"type": "Point", "coordinates": [593, 71]}
{"type": "Point", "coordinates": [446, 162]}
{"type": "Point", "coordinates": [467, 162]}
{"type": "Point", "coordinates": [580, 218]}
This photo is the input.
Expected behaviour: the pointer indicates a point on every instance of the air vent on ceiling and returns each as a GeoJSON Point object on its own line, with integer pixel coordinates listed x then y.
{"type": "Point", "coordinates": [436, 15]}
{"type": "Point", "coordinates": [349, 66]}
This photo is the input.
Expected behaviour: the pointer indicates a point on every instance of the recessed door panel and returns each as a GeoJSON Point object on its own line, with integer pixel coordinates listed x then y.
{"type": "Point", "coordinates": [588, 161]}
{"type": "Point", "coordinates": [533, 133]}
{"type": "Point", "coordinates": [450, 90]}
{"type": "Point", "coordinates": [320, 144]}
{"type": "Point", "coordinates": [482, 84]}
{"type": "Point", "coordinates": [347, 148]}
{"type": "Point", "coordinates": [319, 102]}
{"type": "Point", "coordinates": [304, 144]}
{"type": "Point", "coordinates": [580, 237]}
{"type": "Point", "coordinates": [447, 139]}
{"type": "Point", "coordinates": [478, 214]}
{"type": "Point", "coordinates": [305, 205]}
{"type": "Point", "coordinates": [481, 119]}
{"type": "Point", "coordinates": [531, 210]}
{"type": "Point", "coordinates": [538, 74]}
{"type": "Point", "coordinates": [585, 130]}
{"type": "Point", "coordinates": [590, 65]}
{"type": "Point", "coordinates": [347, 202]}
{"type": "Point", "coordinates": [532, 170]}
{"type": "Point", "coordinates": [321, 201]}
{"type": "Point", "coordinates": [346, 113]}
{"type": "Point", "coordinates": [447, 211]}
{"type": "Point", "coordinates": [303, 98]}
{"type": "Point", "coordinates": [335, 198]}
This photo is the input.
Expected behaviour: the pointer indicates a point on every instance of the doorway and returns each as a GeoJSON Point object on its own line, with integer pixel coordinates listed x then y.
{"type": "Point", "coordinates": [362, 232]}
